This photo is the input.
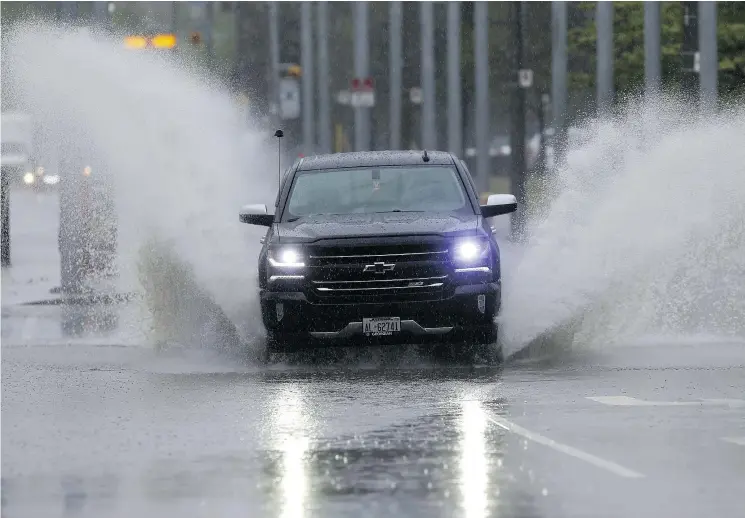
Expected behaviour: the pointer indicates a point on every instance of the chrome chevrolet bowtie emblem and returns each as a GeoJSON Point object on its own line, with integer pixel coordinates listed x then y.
{"type": "Point", "coordinates": [378, 268]}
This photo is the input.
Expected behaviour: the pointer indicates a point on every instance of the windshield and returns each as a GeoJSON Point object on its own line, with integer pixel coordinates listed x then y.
{"type": "Point", "coordinates": [366, 190]}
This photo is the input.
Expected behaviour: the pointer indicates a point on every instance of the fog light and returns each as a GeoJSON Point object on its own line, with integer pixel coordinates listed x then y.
{"type": "Point", "coordinates": [481, 300]}
{"type": "Point", "coordinates": [280, 311]}
{"type": "Point", "coordinates": [28, 178]}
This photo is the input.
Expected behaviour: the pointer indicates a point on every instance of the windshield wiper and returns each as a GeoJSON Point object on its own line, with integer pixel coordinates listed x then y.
{"type": "Point", "coordinates": [295, 218]}
{"type": "Point", "coordinates": [396, 210]}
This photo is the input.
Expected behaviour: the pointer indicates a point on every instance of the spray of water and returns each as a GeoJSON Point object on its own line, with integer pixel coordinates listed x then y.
{"type": "Point", "coordinates": [180, 161]}
{"type": "Point", "coordinates": [643, 234]}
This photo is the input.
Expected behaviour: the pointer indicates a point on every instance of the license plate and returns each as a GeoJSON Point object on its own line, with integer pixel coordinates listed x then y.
{"type": "Point", "coordinates": [381, 326]}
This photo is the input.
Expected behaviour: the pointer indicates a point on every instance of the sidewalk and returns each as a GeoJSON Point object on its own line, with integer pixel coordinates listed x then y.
{"type": "Point", "coordinates": [34, 270]}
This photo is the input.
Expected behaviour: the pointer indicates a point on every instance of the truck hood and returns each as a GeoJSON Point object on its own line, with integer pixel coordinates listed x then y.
{"type": "Point", "coordinates": [369, 225]}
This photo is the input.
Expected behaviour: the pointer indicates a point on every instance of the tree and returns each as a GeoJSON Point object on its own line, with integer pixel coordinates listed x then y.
{"type": "Point", "coordinates": [629, 47]}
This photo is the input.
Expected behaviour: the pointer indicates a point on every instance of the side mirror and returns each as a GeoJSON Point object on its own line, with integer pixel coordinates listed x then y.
{"type": "Point", "coordinates": [499, 204]}
{"type": "Point", "coordinates": [256, 215]}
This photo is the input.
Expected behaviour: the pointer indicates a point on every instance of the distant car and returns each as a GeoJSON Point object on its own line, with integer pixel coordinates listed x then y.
{"type": "Point", "coordinates": [383, 247]}
{"type": "Point", "coordinates": [39, 179]}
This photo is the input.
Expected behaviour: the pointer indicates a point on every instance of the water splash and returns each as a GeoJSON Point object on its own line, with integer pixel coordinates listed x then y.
{"type": "Point", "coordinates": [178, 155]}
{"type": "Point", "coordinates": [642, 233]}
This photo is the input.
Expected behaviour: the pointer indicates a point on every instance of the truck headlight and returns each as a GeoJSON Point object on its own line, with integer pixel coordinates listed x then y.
{"type": "Point", "coordinates": [286, 257]}
{"type": "Point", "coordinates": [470, 251]}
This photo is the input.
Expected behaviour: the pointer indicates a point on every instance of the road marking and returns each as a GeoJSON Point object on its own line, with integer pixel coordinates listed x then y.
{"type": "Point", "coordinates": [563, 448]}
{"type": "Point", "coordinates": [631, 401]}
{"type": "Point", "coordinates": [740, 441]}
{"type": "Point", "coordinates": [734, 403]}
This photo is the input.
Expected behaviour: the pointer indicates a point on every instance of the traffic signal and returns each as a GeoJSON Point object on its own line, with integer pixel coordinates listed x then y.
{"type": "Point", "coordinates": [163, 41]}
{"type": "Point", "coordinates": [159, 41]}
{"type": "Point", "coordinates": [135, 42]}
{"type": "Point", "coordinates": [294, 71]}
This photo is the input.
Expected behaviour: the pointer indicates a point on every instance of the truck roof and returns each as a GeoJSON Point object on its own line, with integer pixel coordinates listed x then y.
{"type": "Point", "coordinates": [373, 159]}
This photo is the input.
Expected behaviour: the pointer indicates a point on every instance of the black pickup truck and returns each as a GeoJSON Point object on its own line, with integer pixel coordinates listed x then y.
{"type": "Point", "coordinates": [386, 247]}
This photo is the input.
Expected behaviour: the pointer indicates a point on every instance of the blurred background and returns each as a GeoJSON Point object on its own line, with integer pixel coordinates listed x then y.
{"type": "Point", "coordinates": [504, 85]}
{"type": "Point", "coordinates": [581, 52]}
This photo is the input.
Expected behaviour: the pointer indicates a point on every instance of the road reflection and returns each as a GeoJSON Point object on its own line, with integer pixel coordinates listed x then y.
{"type": "Point", "coordinates": [78, 494]}
{"type": "Point", "coordinates": [442, 459]}
{"type": "Point", "coordinates": [474, 460]}
{"type": "Point", "coordinates": [291, 428]}
{"type": "Point", "coordinates": [367, 445]}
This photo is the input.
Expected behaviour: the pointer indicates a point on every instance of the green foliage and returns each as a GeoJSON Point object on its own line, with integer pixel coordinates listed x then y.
{"type": "Point", "coordinates": [629, 46]}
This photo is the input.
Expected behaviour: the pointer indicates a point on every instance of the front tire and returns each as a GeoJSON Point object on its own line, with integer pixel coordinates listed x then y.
{"type": "Point", "coordinates": [483, 347]}
{"type": "Point", "coordinates": [277, 343]}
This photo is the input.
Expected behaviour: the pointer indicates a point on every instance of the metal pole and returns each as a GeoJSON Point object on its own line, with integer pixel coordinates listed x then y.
{"type": "Point", "coordinates": [481, 85]}
{"type": "Point", "coordinates": [361, 71]}
{"type": "Point", "coordinates": [517, 138]}
{"type": "Point", "coordinates": [274, 57]}
{"type": "Point", "coordinates": [558, 74]}
{"type": "Point", "coordinates": [396, 70]}
{"type": "Point", "coordinates": [209, 39]}
{"type": "Point", "coordinates": [605, 89]}
{"type": "Point", "coordinates": [306, 58]}
{"type": "Point", "coordinates": [174, 25]}
{"type": "Point", "coordinates": [707, 37]}
{"type": "Point", "coordinates": [101, 16]}
{"type": "Point", "coordinates": [70, 241]}
{"type": "Point", "coordinates": [429, 119]}
{"type": "Point", "coordinates": [689, 52]}
{"type": "Point", "coordinates": [652, 52]}
{"type": "Point", "coordinates": [455, 117]}
{"type": "Point", "coordinates": [68, 12]}
{"type": "Point", "coordinates": [5, 216]}
{"type": "Point", "coordinates": [324, 107]}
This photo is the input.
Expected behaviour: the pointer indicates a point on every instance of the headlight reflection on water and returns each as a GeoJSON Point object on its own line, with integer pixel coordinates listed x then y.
{"type": "Point", "coordinates": [474, 460]}
{"type": "Point", "coordinates": [291, 431]}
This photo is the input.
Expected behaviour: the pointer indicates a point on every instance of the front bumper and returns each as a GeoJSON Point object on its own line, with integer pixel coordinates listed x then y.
{"type": "Point", "coordinates": [293, 316]}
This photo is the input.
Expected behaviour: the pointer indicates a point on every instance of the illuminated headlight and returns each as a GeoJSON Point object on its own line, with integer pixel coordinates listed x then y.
{"type": "Point", "coordinates": [471, 251]}
{"type": "Point", "coordinates": [52, 179]}
{"type": "Point", "coordinates": [28, 178]}
{"type": "Point", "coordinates": [286, 257]}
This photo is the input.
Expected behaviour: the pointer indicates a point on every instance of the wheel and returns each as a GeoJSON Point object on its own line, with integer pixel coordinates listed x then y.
{"type": "Point", "coordinates": [270, 347]}
{"type": "Point", "coordinates": [483, 347]}
{"type": "Point", "coordinates": [276, 343]}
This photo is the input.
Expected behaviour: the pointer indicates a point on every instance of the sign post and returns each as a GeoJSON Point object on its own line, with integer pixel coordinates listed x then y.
{"type": "Point", "coordinates": [362, 93]}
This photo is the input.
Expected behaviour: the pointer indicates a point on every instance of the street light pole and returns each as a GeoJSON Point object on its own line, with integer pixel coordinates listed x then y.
{"type": "Point", "coordinates": [306, 58]}
{"type": "Point", "coordinates": [558, 75]}
{"type": "Point", "coordinates": [324, 101]}
{"type": "Point", "coordinates": [429, 119]}
{"type": "Point", "coordinates": [396, 66]}
{"type": "Point", "coordinates": [362, 139]}
{"type": "Point", "coordinates": [481, 84]}
{"type": "Point", "coordinates": [517, 139]}
{"type": "Point", "coordinates": [455, 125]}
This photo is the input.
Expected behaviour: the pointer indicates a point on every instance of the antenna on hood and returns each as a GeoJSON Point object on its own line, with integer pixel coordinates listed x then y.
{"type": "Point", "coordinates": [279, 134]}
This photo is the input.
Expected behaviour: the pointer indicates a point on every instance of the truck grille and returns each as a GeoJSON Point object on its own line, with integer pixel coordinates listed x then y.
{"type": "Point", "coordinates": [378, 272]}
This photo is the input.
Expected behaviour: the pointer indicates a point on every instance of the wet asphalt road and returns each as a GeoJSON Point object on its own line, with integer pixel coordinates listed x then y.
{"type": "Point", "coordinates": [99, 428]}
{"type": "Point", "coordinates": [96, 422]}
